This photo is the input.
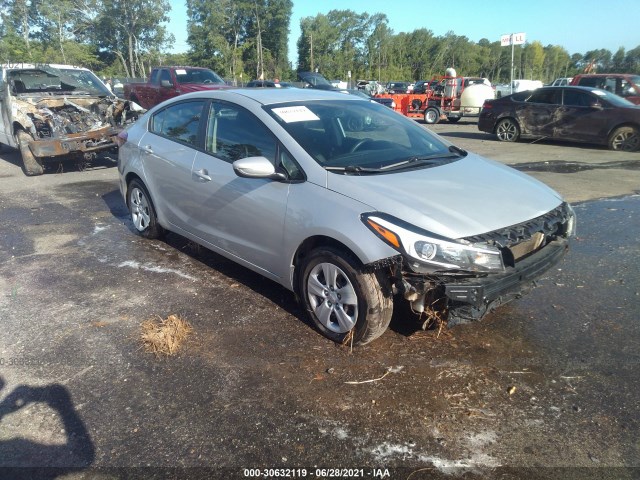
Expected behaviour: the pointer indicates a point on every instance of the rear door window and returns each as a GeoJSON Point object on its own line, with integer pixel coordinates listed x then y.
{"type": "Point", "coordinates": [551, 97]}
{"type": "Point", "coordinates": [179, 122]}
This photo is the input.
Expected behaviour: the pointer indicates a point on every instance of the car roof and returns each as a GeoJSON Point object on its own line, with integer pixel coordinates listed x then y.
{"type": "Point", "coordinates": [269, 96]}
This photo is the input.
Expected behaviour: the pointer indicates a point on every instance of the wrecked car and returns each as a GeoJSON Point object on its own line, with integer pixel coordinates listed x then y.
{"type": "Point", "coordinates": [50, 112]}
{"type": "Point", "coordinates": [575, 114]}
{"type": "Point", "coordinates": [350, 219]}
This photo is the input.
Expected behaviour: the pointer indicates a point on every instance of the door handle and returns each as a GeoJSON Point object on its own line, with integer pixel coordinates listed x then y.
{"type": "Point", "coordinates": [203, 175]}
{"type": "Point", "coordinates": [147, 149]}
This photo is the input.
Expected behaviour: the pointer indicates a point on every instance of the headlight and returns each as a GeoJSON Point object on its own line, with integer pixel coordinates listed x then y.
{"type": "Point", "coordinates": [433, 250]}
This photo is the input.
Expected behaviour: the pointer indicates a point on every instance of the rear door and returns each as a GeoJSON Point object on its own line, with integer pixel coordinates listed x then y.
{"type": "Point", "coordinates": [168, 150]}
{"type": "Point", "coordinates": [540, 111]}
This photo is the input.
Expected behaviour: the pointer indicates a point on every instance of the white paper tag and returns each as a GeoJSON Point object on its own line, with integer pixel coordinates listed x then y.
{"type": "Point", "coordinates": [181, 71]}
{"type": "Point", "coordinates": [295, 114]}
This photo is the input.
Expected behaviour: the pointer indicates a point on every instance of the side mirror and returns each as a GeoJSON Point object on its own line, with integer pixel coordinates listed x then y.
{"type": "Point", "coordinates": [166, 83]}
{"type": "Point", "coordinates": [256, 167]}
{"type": "Point", "coordinates": [596, 106]}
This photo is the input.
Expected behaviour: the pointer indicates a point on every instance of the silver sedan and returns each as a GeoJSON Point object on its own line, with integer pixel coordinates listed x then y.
{"type": "Point", "coordinates": [343, 201]}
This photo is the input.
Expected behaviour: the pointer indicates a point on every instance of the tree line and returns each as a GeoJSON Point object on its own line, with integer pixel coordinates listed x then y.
{"type": "Point", "coordinates": [247, 39]}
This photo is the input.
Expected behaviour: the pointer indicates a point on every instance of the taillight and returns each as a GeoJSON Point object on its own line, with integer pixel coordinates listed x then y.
{"type": "Point", "coordinates": [121, 138]}
{"type": "Point", "coordinates": [487, 105]}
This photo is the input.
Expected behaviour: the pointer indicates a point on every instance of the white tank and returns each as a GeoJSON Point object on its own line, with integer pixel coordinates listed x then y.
{"type": "Point", "coordinates": [475, 95]}
{"type": "Point", "coordinates": [450, 72]}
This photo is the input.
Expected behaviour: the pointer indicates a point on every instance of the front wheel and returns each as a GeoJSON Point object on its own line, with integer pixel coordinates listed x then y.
{"type": "Point", "coordinates": [507, 130]}
{"type": "Point", "coordinates": [431, 116]}
{"type": "Point", "coordinates": [341, 299]}
{"type": "Point", "coordinates": [32, 165]}
{"type": "Point", "coordinates": [142, 212]}
{"type": "Point", "coordinates": [625, 139]}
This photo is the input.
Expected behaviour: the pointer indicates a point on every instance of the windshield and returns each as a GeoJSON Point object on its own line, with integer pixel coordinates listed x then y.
{"type": "Point", "coordinates": [358, 134]}
{"type": "Point", "coordinates": [199, 75]}
{"type": "Point", "coordinates": [47, 79]}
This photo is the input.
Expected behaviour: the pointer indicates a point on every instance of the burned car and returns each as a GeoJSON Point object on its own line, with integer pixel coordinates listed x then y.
{"type": "Point", "coordinates": [343, 201]}
{"type": "Point", "coordinates": [51, 112]}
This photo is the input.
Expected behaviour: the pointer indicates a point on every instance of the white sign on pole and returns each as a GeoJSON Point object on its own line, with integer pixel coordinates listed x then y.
{"type": "Point", "coordinates": [519, 38]}
{"type": "Point", "coordinates": [505, 40]}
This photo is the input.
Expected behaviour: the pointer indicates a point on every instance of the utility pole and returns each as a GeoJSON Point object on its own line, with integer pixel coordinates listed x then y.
{"type": "Point", "coordinates": [311, 37]}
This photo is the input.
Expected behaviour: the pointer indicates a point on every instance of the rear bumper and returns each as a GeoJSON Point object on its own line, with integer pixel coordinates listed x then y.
{"type": "Point", "coordinates": [479, 292]}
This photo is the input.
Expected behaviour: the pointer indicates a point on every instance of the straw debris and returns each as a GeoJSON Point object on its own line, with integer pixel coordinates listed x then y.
{"type": "Point", "coordinates": [164, 336]}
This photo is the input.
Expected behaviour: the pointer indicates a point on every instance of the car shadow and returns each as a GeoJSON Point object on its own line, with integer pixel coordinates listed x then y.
{"type": "Point", "coordinates": [27, 459]}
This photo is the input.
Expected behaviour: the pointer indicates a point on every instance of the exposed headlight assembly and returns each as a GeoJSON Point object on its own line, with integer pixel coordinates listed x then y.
{"type": "Point", "coordinates": [436, 251]}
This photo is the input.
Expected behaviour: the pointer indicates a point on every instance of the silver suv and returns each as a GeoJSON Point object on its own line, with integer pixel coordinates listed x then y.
{"type": "Point", "coordinates": [343, 201]}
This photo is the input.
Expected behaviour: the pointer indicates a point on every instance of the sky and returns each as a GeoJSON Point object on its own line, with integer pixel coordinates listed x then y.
{"type": "Point", "coordinates": [576, 25]}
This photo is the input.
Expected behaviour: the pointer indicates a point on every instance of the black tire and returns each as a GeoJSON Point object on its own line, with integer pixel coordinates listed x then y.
{"type": "Point", "coordinates": [625, 139]}
{"type": "Point", "coordinates": [31, 165]}
{"type": "Point", "coordinates": [507, 130]}
{"type": "Point", "coordinates": [367, 314]}
{"type": "Point", "coordinates": [454, 119]}
{"type": "Point", "coordinates": [143, 214]}
{"type": "Point", "coordinates": [431, 116]}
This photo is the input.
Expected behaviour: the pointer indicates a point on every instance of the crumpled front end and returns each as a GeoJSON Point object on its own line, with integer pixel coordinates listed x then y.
{"type": "Point", "coordinates": [64, 126]}
{"type": "Point", "coordinates": [523, 252]}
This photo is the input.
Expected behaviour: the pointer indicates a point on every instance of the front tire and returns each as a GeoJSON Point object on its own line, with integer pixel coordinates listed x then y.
{"type": "Point", "coordinates": [143, 214]}
{"type": "Point", "coordinates": [31, 165]}
{"type": "Point", "coordinates": [431, 116]}
{"type": "Point", "coordinates": [507, 130]}
{"type": "Point", "coordinates": [341, 298]}
{"type": "Point", "coordinates": [625, 139]}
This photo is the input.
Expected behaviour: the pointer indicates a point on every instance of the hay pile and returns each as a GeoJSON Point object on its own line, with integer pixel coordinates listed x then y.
{"type": "Point", "coordinates": [164, 336]}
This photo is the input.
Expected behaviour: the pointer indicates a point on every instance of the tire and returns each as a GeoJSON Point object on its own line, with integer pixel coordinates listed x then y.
{"type": "Point", "coordinates": [31, 165]}
{"type": "Point", "coordinates": [454, 119]}
{"type": "Point", "coordinates": [507, 130]}
{"type": "Point", "coordinates": [354, 300]}
{"type": "Point", "coordinates": [625, 139]}
{"type": "Point", "coordinates": [143, 214]}
{"type": "Point", "coordinates": [431, 116]}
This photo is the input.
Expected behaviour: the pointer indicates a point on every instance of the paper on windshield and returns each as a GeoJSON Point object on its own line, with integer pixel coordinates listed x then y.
{"type": "Point", "coordinates": [181, 71]}
{"type": "Point", "coordinates": [295, 114]}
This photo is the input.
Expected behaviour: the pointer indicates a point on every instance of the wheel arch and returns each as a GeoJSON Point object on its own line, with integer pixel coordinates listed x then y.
{"type": "Point", "coordinates": [623, 124]}
{"type": "Point", "coordinates": [310, 244]}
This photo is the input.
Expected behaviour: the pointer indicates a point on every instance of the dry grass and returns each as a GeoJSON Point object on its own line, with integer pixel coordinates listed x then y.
{"type": "Point", "coordinates": [164, 336]}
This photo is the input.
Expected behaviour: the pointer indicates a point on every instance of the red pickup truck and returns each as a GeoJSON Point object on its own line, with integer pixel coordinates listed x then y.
{"type": "Point", "coordinates": [168, 82]}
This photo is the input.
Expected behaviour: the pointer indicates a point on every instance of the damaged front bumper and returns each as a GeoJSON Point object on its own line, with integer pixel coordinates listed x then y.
{"type": "Point", "coordinates": [479, 292]}
{"type": "Point", "coordinates": [76, 143]}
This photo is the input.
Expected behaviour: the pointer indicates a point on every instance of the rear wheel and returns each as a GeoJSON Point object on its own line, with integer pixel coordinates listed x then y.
{"type": "Point", "coordinates": [32, 165]}
{"type": "Point", "coordinates": [142, 212]}
{"type": "Point", "coordinates": [625, 139]}
{"type": "Point", "coordinates": [431, 116]}
{"type": "Point", "coordinates": [341, 299]}
{"type": "Point", "coordinates": [507, 130]}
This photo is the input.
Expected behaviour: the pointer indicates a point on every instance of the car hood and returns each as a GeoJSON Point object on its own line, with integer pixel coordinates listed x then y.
{"type": "Point", "coordinates": [464, 198]}
{"type": "Point", "coordinates": [199, 87]}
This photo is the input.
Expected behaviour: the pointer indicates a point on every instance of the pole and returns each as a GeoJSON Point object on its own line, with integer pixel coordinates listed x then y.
{"type": "Point", "coordinates": [512, 47]}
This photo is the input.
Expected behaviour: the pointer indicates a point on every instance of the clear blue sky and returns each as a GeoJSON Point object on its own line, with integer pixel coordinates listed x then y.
{"type": "Point", "coordinates": [577, 25]}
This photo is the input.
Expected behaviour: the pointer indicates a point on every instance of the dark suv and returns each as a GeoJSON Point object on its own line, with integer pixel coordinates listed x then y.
{"type": "Point", "coordinates": [625, 85]}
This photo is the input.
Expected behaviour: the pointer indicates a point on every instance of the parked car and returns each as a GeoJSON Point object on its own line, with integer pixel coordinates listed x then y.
{"type": "Point", "coordinates": [50, 112]}
{"type": "Point", "coordinates": [502, 90]}
{"type": "Point", "coordinates": [578, 114]}
{"type": "Point", "coordinates": [266, 84]}
{"type": "Point", "coordinates": [397, 87]}
{"type": "Point", "coordinates": [561, 82]}
{"type": "Point", "coordinates": [277, 181]}
{"type": "Point", "coordinates": [421, 86]}
{"type": "Point", "coordinates": [623, 84]}
{"type": "Point", "coordinates": [169, 82]}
